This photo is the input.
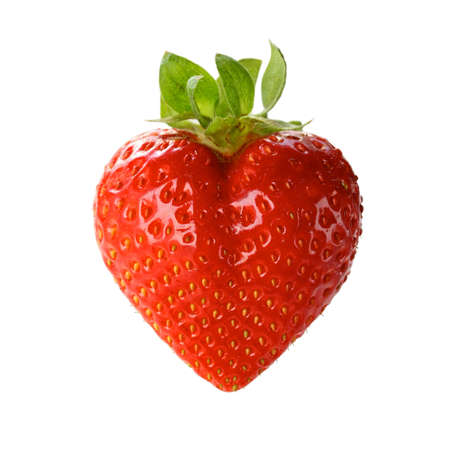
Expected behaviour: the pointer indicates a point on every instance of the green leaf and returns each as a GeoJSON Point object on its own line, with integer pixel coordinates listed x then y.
{"type": "Point", "coordinates": [263, 126]}
{"type": "Point", "coordinates": [174, 73]}
{"type": "Point", "coordinates": [252, 65]}
{"type": "Point", "coordinates": [223, 108]}
{"type": "Point", "coordinates": [165, 109]}
{"type": "Point", "coordinates": [274, 79]}
{"type": "Point", "coordinates": [237, 83]}
{"type": "Point", "coordinates": [191, 88]}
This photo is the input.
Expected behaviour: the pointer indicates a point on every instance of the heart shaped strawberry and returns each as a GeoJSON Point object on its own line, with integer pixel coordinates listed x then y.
{"type": "Point", "coordinates": [230, 232]}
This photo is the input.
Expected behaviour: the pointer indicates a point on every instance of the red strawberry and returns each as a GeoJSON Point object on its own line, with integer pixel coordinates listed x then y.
{"type": "Point", "coordinates": [230, 235]}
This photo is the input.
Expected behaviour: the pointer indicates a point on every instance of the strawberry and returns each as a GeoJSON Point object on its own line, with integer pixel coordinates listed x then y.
{"type": "Point", "coordinates": [230, 232]}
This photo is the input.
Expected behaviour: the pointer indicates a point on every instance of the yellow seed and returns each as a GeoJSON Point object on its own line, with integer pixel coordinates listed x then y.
{"type": "Point", "coordinates": [215, 313]}
{"type": "Point", "coordinates": [168, 323]}
{"type": "Point", "coordinates": [261, 340]}
{"type": "Point", "coordinates": [196, 348]}
{"type": "Point", "coordinates": [244, 311]}
{"type": "Point", "coordinates": [169, 340]}
{"type": "Point", "coordinates": [197, 364]}
{"type": "Point", "coordinates": [176, 269]}
{"type": "Point", "coordinates": [180, 337]}
{"type": "Point", "coordinates": [202, 258]}
{"type": "Point", "coordinates": [245, 333]}
{"type": "Point", "coordinates": [108, 262]}
{"type": "Point", "coordinates": [261, 361]}
{"type": "Point", "coordinates": [182, 352]}
{"type": "Point", "coordinates": [233, 323]}
{"type": "Point", "coordinates": [113, 254]}
{"type": "Point", "coordinates": [168, 230]}
{"type": "Point", "coordinates": [148, 312]}
{"type": "Point", "coordinates": [229, 306]}
{"type": "Point", "coordinates": [241, 294]}
{"type": "Point", "coordinates": [181, 293]}
{"type": "Point", "coordinates": [192, 286]}
{"type": "Point", "coordinates": [218, 273]}
{"type": "Point", "coordinates": [192, 328]}
{"type": "Point", "coordinates": [166, 278]}
{"type": "Point", "coordinates": [216, 294]}
{"type": "Point", "coordinates": [180, 315]}
{"type": "Point", "coordinates": [192, 306]}
{"type": "Point", "coordinates": [173, 247]}
{"type": "Point", "coordinates": [148, 262]}
{"type": "Point", "coordinates": [289, 261]}
{"type": "Point", "coordinates": [256, 320]}
{"type": "Point", "coordinates": [209, 377]}
{"type": "Point", "coordinates": [160, 253]}
{"type": "Point", "coordinates": [273, 351]}
{"type": "Point", "coordinates": [204, 282]}
{"type": "Point", "coordinates": [203, 301]}
{"type": "Point", "coordinates": [300, 243]}
{"type": "Point", "coordinates": [127, 276]}
{"type": "Point", "coordinates": [170, 299]}
{"type": "Point", "coordinates": [140, 239]}
{"type": "Point", "coordinates": [244, 368]}
{"type": "Point", "coordinates": [284, 310]}
{"type": "Point", "coordinates": [136, 266]}
{"type": "Point", "coordinates": [158, 306]}
{"type": "Point", "coordinates": [220, 330]}
{"type": "Point", "coordinates": [291, 215]}
{"type": "Point", "coordinates": [244, 274]}
{"type": "Point", "coordinates": [273, 281]}
{"type": "Point", "coordinates": [273, 327]}
{"type": "Point", "coordinates": [300, 297]}
{"type": "Point", "coordinates": [231, 283]}
{"type": "Point", "coordinates": [269, 303]}
{"type": "Point", "coordinates": [247, 351]}
{"type": "Point", "coordinates": [122, 283]}
{"type": "Point", "coordinates": [153, 284]}
{"type": "Point", "coordinates": [188, 265]}
{"type": "Point", "coordinates": [136, 299]}
{"type": "Point", "coordinates": [233, 344]}
{"type": "Point", "coordinates": [208, 339]}
{"type": "Point", "coordinates": [126, 243]}
{"type": "Point", "coordinates": [219, 371]}
{"type": "Point", "coordinates": [255, 293]}
{"type": "Point", "coordinates": [220, 352]}
{"type": "Point", "coordinates": [259, 269]}
{"type": "Point", "coordinates": [283, 338]}
{"type": "Point", "coordinates": [155, 326]}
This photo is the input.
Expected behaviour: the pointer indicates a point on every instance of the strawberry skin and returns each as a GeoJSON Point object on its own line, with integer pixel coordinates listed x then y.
{"type": "Point", "coordinates": [228, 259]}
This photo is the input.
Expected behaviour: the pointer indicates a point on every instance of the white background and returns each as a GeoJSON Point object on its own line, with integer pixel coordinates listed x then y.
{"type": "Point", "coordinates": [81, 370]}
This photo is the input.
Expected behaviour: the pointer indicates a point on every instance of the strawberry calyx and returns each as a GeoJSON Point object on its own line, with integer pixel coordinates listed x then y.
{"type": "Point", "coordinates": [218, 112]}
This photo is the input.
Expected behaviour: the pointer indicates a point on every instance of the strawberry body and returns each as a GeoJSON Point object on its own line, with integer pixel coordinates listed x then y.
{"type": "Point", "coordinates": [228, 259]}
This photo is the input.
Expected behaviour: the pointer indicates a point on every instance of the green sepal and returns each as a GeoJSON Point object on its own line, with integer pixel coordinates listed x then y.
{"type": "Point", "coordinates": [174, 73]}
{"type": "Point", "coordinates": [191, 88]}
{"type": "Point", "coordinates": [238, 85]}
{"type": "Point", "coordinates": [165, 110]}
{"type": "Point", "coordinates": [274, 79]}
{"type": "Point", "coordinates": [252, 65]}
